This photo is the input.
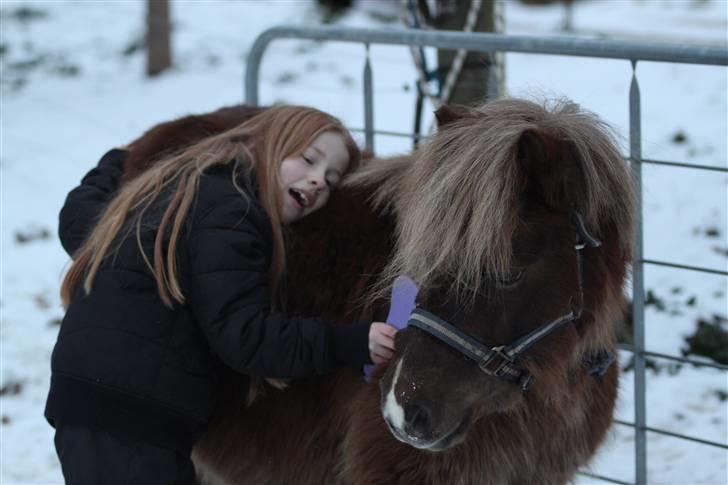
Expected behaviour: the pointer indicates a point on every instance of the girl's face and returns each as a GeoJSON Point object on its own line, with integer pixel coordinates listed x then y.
{"type": "Point", "coordinates": [308, 179]}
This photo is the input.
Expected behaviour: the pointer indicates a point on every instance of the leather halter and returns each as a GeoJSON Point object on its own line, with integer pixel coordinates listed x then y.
{"type": "Point", "coordinates": [502, 361]}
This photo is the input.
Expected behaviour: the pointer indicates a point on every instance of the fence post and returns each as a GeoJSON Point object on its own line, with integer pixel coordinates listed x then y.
{"type": "Point", "coordinates": [638, 292]}
{"type": "Point", "coordinates": [368, 104]}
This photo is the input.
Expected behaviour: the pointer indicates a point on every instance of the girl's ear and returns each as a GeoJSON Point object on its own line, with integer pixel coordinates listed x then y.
{"type": "Point", "coordinates": [447, 113]}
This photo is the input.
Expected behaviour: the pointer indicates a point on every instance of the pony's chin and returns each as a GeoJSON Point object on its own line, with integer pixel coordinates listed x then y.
{"type": "Point", "coordinates": [436, 445]}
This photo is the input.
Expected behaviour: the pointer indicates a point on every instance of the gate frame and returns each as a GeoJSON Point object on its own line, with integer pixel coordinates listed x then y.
{"type": "Point", "coordinates": [562, 46]}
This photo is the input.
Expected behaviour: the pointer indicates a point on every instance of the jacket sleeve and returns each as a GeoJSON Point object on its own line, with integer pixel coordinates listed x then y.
{"type": "Point", "coordinates": [229, 296]}
{"type": "Point", "coordinates": [86, 202]}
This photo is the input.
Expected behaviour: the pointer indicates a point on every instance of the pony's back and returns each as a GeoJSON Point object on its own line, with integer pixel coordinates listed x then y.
{"type": "Point", "coordinates": [169, 137]}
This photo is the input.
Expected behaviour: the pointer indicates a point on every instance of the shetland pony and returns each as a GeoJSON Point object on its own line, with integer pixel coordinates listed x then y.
{"type": "Point", "coordinates": [484, 216]}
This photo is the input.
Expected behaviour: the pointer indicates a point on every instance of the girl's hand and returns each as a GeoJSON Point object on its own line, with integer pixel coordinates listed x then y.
{"type": "Point", "coordinates": [381, 342]}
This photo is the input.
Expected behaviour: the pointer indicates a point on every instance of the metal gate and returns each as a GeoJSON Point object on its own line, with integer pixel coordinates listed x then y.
{"type": "Point", "coordinates": [631, 52]}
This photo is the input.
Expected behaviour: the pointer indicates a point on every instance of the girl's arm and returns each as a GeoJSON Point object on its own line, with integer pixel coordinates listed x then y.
{"type": "Point", "coordinates": [230, 298]}
{"type": "Point", "coordinates": [85, 203]}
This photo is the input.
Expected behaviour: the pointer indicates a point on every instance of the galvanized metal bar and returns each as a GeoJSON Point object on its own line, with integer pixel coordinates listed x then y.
{"type": "Point", "coordinates": [638, 285]}
{"type": "Point", "coordinates": [685, 165]}
{"type": "Point", "coordinates": [368, 103]}
{"type": "Point", "coordinates": [684, 266]}
{"type": "Point", "coordinates": [685, 360]}
{"type": "Point", "coordinates": [602, 477]}
{"type": "Point", "coordinates": [675, 358]}
{"type": "Point", "coordinates": [398, 134]}
{"type": "Point", "coordinates": [675, 435]}
{"type": "Point", "coordinates": [482, 42]}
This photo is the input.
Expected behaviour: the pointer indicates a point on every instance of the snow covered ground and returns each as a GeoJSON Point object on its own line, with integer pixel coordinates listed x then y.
{"type": "Point", "coordinates": [69, 92]}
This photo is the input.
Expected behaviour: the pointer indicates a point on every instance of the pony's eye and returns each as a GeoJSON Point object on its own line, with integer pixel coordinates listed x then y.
{"type": "Point", "coordinates": [509, 280]}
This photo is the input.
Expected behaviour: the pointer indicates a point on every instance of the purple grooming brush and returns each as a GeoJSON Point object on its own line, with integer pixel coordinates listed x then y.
{"type": "Point", "coordinates": [404, 292]}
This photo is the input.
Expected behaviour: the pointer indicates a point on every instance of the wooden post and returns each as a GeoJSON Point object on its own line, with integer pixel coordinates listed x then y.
{"type": "Point", "coordinates": [479, 70]}
{"type": "Point", "coordinates": [159, 51]}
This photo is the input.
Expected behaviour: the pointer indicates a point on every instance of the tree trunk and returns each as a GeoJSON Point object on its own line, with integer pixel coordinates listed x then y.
{"type": "Point", "coordinates": [159, 50]}
{"type": "Point", "coordinates": [481, 75]}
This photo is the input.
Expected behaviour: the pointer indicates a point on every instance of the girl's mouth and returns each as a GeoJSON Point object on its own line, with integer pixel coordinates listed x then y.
{"type": "Point", "coordinates": [299, 198]}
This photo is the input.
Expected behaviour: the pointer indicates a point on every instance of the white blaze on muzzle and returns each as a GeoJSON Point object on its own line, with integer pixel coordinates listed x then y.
{"type": "Point", "coordinates": [393, 412]}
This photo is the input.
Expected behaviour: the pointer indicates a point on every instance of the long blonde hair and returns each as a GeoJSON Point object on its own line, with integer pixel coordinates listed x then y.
{"type": "Point", "coordinates": [256, 148]}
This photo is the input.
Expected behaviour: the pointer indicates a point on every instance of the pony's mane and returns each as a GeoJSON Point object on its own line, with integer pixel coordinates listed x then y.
{"type": "Point", "coordinates": [458, 197]}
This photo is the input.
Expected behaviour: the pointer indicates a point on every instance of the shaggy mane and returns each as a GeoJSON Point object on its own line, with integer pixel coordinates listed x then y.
{"type": "Point", "coordinates": [457, 197]}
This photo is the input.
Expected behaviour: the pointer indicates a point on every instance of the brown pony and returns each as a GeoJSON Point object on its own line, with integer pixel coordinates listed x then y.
{"type": "Point", "coordinates": [484, 216]}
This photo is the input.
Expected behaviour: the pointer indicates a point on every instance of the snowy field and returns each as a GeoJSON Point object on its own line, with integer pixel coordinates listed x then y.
{"type": "Point", "coordinates": [72, 86]}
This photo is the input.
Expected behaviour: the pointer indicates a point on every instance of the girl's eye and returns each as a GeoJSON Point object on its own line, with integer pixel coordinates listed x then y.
{"type": "Point", "coordinates": [307, 160]}
{"type": "Point", "coordinates": [509, 280]}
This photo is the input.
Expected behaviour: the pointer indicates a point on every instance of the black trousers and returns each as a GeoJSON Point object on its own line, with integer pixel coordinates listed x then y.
{"type": "Point", "coordinates": [95, 457]}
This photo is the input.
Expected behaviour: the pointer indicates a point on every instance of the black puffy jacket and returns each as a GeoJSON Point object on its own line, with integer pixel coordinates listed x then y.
{"type": "Point", "coordinates": [125, 363]}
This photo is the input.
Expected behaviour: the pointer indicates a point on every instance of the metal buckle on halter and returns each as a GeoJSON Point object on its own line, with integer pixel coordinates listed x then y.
{"type": "Point", "coordinates": [495, 352]}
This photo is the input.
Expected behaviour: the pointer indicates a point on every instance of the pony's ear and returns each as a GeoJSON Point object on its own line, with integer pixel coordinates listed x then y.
{"type": "Point", "coordinates": [447, 113]}
{"type": "Point", "coordinates": [549, 169]}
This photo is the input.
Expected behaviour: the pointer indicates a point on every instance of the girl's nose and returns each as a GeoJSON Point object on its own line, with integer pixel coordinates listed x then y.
{"type": "Point", "coordinates": [317, 180]}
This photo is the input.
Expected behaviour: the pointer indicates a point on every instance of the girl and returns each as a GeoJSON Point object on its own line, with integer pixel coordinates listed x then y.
{"type": "Point", "coordinates": [178, 275]}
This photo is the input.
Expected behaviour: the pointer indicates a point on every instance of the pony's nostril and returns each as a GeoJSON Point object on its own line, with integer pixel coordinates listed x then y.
{"type": "Point", "coordinates": [417, 419]}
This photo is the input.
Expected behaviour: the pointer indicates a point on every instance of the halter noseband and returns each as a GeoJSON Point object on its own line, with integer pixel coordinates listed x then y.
{"type": "Point", "coordinates": [502, 361]}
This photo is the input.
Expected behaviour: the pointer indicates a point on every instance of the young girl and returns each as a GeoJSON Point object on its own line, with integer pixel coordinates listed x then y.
{"type": "Point", "coordinates": [178, 275]}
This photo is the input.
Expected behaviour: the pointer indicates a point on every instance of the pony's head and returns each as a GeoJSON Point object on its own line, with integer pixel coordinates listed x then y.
{"type": "Point", "coordinates": [490, 210]}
